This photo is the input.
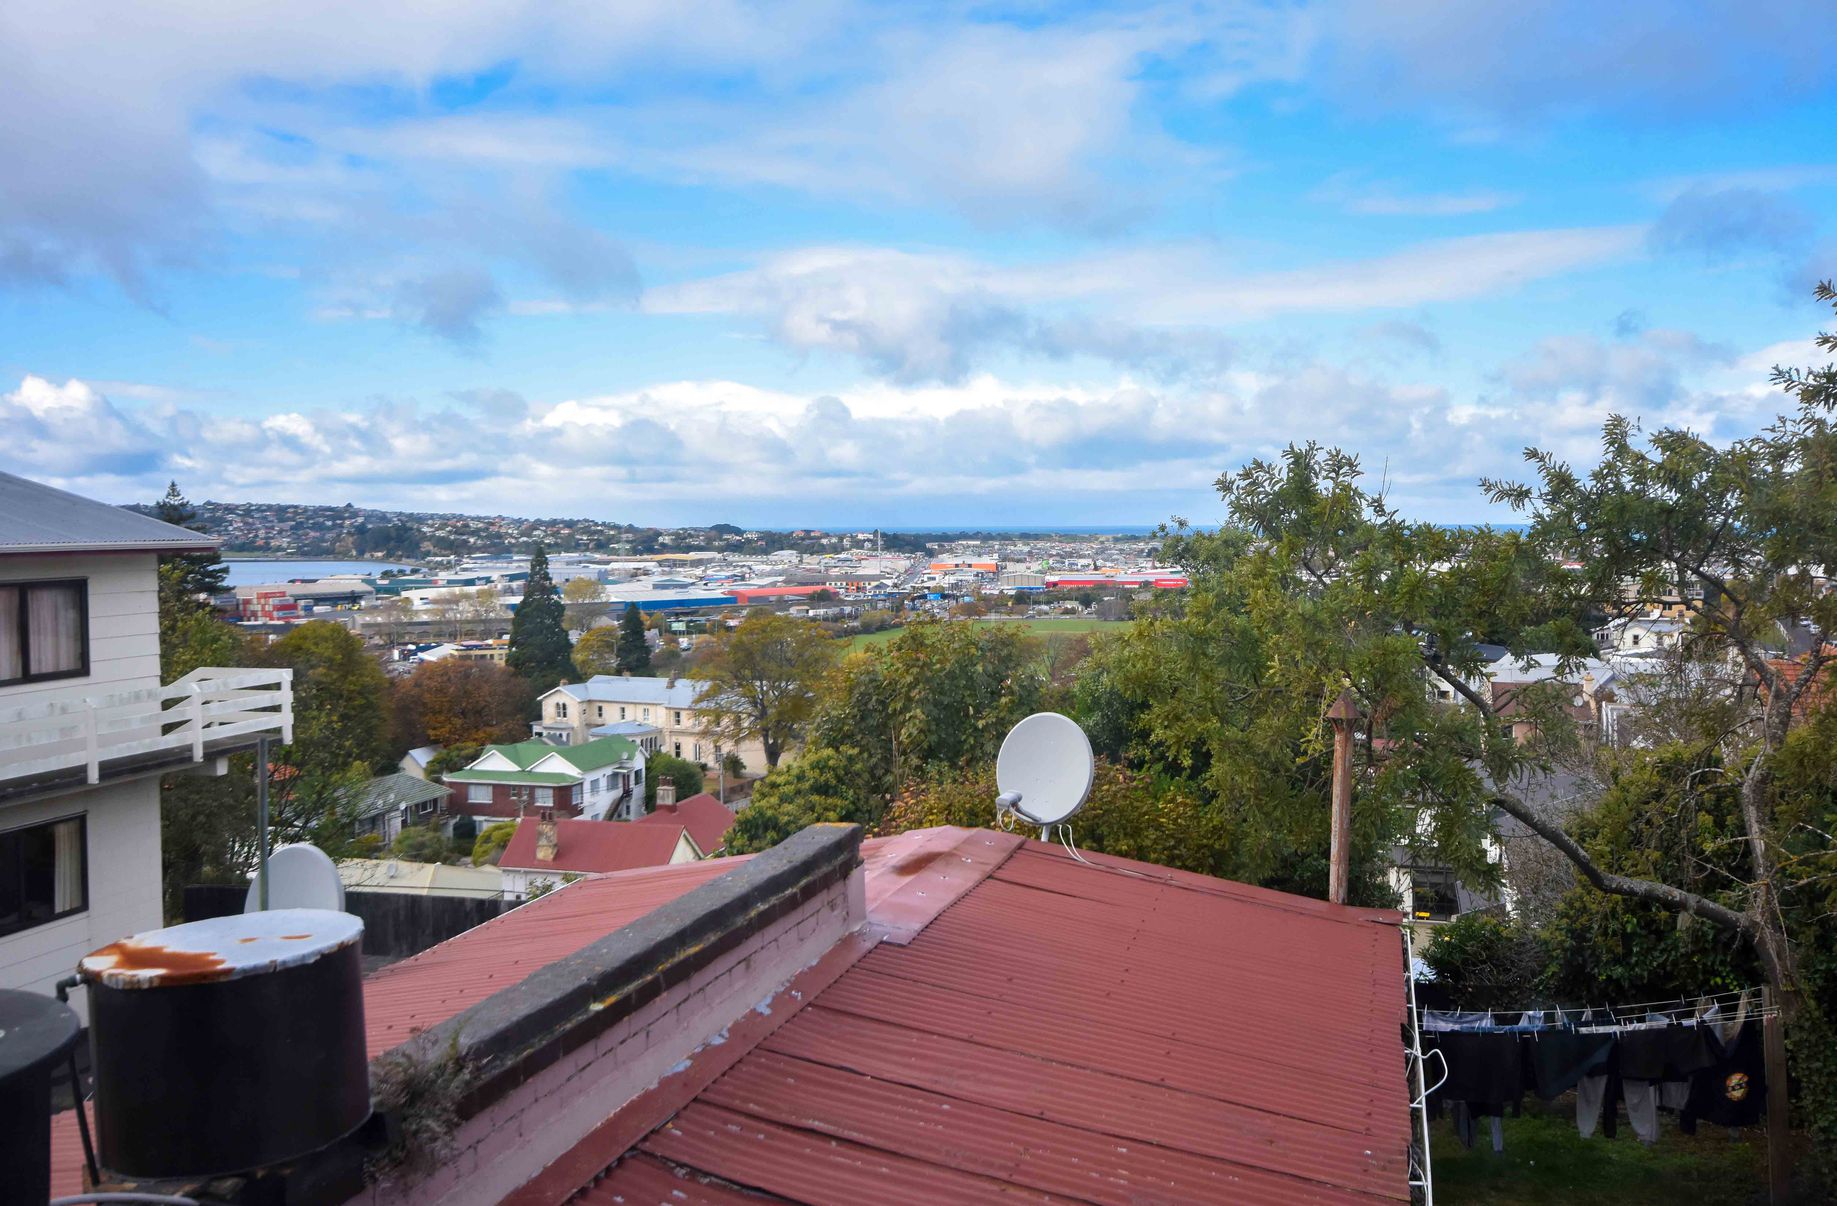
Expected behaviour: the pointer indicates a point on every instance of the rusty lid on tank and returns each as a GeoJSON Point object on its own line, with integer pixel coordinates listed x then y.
{"type": "Point", "coordinates": [221, 948]}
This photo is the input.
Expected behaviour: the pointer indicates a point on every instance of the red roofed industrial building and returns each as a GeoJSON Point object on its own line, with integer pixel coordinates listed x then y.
{"type": "Point", "coordinates": [949, 1015]}
{"type": "Point", "coordinates": [706, 819]}
{"type": "Point", "coordinates": [750, 596]}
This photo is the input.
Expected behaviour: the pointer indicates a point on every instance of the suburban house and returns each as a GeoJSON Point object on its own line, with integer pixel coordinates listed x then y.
{"type": "Point", "coordinates": [87, 727]}
{"type": "Point", "coordinates": [573, 712]}
{"type": "Point", "coordinates": [388, 804]}
{"type": "Point", "coordinates": [415, 761]}
{"type": "Point", "coordinates": [550, 852]}
{"type": "Point", "coordinates": [599, 779]}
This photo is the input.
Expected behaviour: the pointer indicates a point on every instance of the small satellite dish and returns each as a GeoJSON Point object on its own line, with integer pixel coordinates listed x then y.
{"type": "Point", "coordinates": [299, 877]}
{"type": "Point", "coordinates": [1044, 769]}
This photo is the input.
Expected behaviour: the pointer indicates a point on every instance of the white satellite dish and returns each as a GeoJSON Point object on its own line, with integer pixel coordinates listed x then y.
{"type": "Point", "coordinates": [1044, 769]}
{"type": "Point", "coordinates": [299, 877]}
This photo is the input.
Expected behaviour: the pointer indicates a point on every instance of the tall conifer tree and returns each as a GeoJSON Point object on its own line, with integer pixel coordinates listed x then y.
{"type": "Point", "coordinates": [539, 646]}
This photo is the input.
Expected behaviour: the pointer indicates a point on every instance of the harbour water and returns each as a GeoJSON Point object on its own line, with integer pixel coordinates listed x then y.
{"type": "Point", "coordinates": [250, 572]}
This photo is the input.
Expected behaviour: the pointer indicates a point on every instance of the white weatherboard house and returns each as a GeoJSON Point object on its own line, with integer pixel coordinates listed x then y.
{"type": "Point", "coordinates": [87, 727]}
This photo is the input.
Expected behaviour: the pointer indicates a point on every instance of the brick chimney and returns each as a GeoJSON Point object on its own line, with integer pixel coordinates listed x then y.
{"type": "Point", "coordinates": [547, 836]}
{"type": "Point", "coordinates": [671, 682]}
{"type": "Point", "coordinates": [666, 793]}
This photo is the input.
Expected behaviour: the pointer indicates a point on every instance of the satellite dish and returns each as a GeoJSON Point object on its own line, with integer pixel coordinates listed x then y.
{"type": "Point", "coordinates": [299, 877]}
{"type": "Point", "coordinates": [1044, 769]}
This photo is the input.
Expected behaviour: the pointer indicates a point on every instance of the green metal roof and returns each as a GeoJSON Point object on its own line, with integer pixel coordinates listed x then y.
{"type": "Point", "coordinates": [602, 751]}
{"type": "Point", "coordinates": [387, 792]}
{"type": "Point", "coordinates": [539, 778]}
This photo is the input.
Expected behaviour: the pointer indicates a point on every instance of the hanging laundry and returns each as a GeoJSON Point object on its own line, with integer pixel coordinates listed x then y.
{"type": "Point", "coordinates": [1733, 1090]}
{"type": "Point", "coordinates": [1560, 1058]}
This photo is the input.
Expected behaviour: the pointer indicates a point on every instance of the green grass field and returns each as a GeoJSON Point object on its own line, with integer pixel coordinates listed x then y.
{"type": "Point", "coordinates": [1546, 1162]}
{"type": "Point", "coordinates": [1040, 628]}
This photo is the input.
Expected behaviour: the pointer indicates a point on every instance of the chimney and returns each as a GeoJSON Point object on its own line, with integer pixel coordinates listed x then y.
{"type": "Point", "coordinates": [547, 836]}
{"type": "Point", "coordinates": [672, 681]}
{"type": "Point", "coordinates": [666, 793]}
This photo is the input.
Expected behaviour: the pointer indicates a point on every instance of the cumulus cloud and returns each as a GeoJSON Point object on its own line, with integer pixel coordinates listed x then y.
{"type": "Point", "coordinates": [697, 450]}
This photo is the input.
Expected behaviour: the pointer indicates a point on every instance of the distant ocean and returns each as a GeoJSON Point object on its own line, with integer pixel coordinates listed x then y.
{"type": "Point", "coordinates": [253, 572]}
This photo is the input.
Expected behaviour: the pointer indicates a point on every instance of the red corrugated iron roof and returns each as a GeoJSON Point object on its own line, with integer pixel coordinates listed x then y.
{"type": "Point", "coordinates": [1112, 1033]}
{"type": "Point", "coordinates": [444, 980]}
{"type": "Point", "coordinates": [706, 819]}
{"type": "Point", "coordinates": [594, 847]}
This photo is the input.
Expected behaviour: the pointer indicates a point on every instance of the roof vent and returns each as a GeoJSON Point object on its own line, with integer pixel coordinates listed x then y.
{"type": "Point", "coordinates": [227, 1044]}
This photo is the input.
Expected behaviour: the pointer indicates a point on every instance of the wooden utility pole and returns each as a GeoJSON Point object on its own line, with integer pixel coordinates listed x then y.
{"type": "Point", "coordinates": [1779, 1130]}
{"type": "Point", "coordinates": [1344, 712]}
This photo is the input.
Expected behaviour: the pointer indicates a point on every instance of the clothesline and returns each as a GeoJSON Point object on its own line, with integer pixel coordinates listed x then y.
{"type": "Point", "coordinates": [1637, 1012]}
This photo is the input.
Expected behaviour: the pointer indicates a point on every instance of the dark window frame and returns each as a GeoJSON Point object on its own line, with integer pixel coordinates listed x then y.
{"type": "Point", "coordinates": [7, 929]}
{"type": "Point", "coordinates": [24, 586]}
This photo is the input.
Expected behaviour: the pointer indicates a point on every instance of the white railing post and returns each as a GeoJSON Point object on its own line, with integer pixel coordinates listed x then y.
{"type": "Point", "coordinates": [90, 755]}
{"type": "Point", "coordinates": [286, 691]}
{"type": "Point", "coordinates": [197, 722]}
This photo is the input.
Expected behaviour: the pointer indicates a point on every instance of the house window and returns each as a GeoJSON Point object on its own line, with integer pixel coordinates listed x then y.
{"type": "Point", "coordinates": [43, 874]}
{"type": "Point", "coordinates": [44, 630]}
{"type": "Point", "coordinates": [679, 749]}
{"type": "Point", "coordinates": [599, 711]}
{"type": "Point", "coordinates": [647, 713]}
{"type": "Point", "coordinates": [478, 793]}
{"type": "Point", "coordinates": [1432, 895]}
{"type": "Point", "coordinates": [561, 710]}
{"type": "Point", "coordinates": [545, 796]}
{"type": "Point", "coordinates": [621, 713]}
{"type": "Point", "coordinates": [679, 717]}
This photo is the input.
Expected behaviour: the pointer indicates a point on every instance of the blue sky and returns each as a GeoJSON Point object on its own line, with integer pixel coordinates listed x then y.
{"type": "Point", "coordinates": [844, 264]}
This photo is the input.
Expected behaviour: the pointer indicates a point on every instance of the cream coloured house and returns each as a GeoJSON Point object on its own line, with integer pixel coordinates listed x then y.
{"type": "Point", "coordinates": [574, 713]}
{"type": "Point", "coordinates": [87, 727]}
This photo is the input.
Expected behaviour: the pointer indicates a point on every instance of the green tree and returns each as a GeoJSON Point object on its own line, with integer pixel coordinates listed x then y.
{"type": "Point", "coordinates": [634, 650]}
{"type": "Point", "coordinates": [197, 573]}
{"type": "Point", "coordinates": [762, 679]}
{"type": "Point", "coordinates": [491, 843]}
{"type": "Point", "coordinates": [597, 651]}
{"type": "Point", "coordinates": [421, 844]}
{"type": "Point", "coordinates": [190, 633]}
{"type": "Point", "coordinates": [821, 785]}
{"type": "Point", "coordinates": [340, 698]}
{"type": "Point", "coordinates": [933, 702]}
{"type": "Point", "coordinates": [685, 775]}
{"type": "Point", "coordinates": [539, 648]}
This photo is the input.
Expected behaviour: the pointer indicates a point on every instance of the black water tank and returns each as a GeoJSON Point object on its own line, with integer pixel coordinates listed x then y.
{"type": "Point", "coordinates": [36, 1033]}
{"type": "Point", "coordinates": [227, 1044]}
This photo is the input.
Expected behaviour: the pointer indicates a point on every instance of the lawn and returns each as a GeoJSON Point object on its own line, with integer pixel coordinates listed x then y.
{"type": "Point", "coordinates": [1052, 627]}
{"type": "Point", "coordinates": [1545, 1161]}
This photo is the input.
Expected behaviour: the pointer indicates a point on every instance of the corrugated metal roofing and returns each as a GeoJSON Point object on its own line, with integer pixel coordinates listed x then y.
{"type": "Point", "coordinates": [36, 518]}
{"type": "Point", "coordinates": [594, 846]}
{"type": "Point", "coordinates": [706, 819]}
{"type": "Point", "coordinates": [462, 971]}
{"type": "Point", "coordinates": [1110, 1033]}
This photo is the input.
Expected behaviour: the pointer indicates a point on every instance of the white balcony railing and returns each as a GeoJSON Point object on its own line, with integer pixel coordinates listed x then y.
{"type": "Point", "coordinates": [200, 715]}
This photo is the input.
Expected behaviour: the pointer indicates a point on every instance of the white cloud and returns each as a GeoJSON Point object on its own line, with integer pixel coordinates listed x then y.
{"type": "Point", "coordinates": [1106, 445]}
{"type": "Point", "coordinates": [919, 316]}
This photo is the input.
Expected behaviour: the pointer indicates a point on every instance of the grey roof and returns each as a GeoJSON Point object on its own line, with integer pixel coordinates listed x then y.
{"type": "Point", "coordinates": [385, 793]}
{"type": "Point", "coordinates": [625, 728]}
{"type": "Point", "coordinates": [617, 688]}
{"type": "Point", "coordinates": [36, 518]}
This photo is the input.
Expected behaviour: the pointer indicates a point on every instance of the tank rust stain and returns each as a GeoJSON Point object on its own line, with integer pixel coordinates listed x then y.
{"type": "Point", "coordinates": [167, 966]}
{"type": "Point", "coordinates": [295, 937]}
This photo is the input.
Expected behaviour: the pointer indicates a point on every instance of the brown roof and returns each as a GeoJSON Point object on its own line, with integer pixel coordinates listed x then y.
{"type": "Point", "coordinates": [593, 847]}
{"type": "Point", "coordinates": [706, 819]}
